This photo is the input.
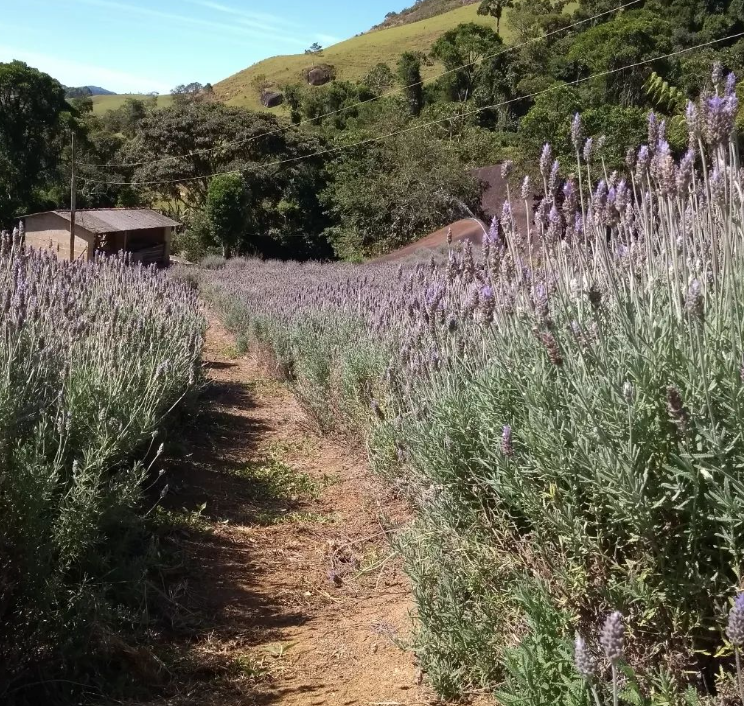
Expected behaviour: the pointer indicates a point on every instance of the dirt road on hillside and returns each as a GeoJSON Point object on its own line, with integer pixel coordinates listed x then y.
{"type": "Point", "coordinates": [292, 595]}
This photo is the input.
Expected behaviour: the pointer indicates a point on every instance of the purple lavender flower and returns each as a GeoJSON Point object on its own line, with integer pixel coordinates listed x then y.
{"type": "Point", "coordinates": [526, 190]}
{"type": "Point", "coordinates": [599, 199]}
{"type": "Point", "coordinates": [507, 447]}
{"type": "Point", "coordinates": [492, 236]}
{"type": "Point", "coordinates": [685, 171]}
{"type": "Point", "coordinates": [584, 661]}
{"type": "Point", "coordinates": [630, 159]}
{"type": "Point", "coordinates": [506, 169]}
{"type": "Point", "coordinates": [730, 85]}
{"type": "Point", "coordinates": [692, 116]}
{"type": "Point", "coordinates": [662, 168]}
{"type": "Point", "coordinates": [577, 132]}
{"type": "Point", "coordinates": [546, 159]}
{"type": "Point", "coordinates": [720, 114]}
{"type": "Point", "coordinates": [578, 225]}
{"type": "Point", "coordinates": [642, 163]}
{"type": "Point", "coordinates": [555, 223]}
{"type": "Point", "coordinates": [717, 186]}
{"type": "Point", "coordinates": [588, 149]}
{"type": "Point", "coordinates": [735, 625]}
{"type": "Point", "coordinates": [716, 74]}
{"type": "Point", "coordinates": [628, 392]}
{"type": "Point", "coordinates": [694, 301]}
{"type": "Point", "coordinates": [653, 130]}
{"type": "Point", "coordinates": [487, 304]}
{"type": "Point", "coordinates": [612, 637]}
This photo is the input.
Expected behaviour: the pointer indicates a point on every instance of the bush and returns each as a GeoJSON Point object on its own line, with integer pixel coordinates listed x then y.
{"type": "Point", "coordinates": [94, 357]}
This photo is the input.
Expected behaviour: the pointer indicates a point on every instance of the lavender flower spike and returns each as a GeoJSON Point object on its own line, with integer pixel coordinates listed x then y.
{"type": "Point", "coordinates": [506, 169]}
{"type": "Point", "coordinates": [735, 625]}
{"type": "Point", "coordinates": [584, 662]}
{"type": "Point", "coordinates": [526, 189]}
{"type": "Point", "coordinates": [612, 637]}
{"type": "Point", "coordinates": [507, 448]}
{"type": "Point", "coordinates": [588, 149]}
{"type": "Point", "coordinates": [577, 131]}
{"type": "Point", "coordinates": [546, 160]}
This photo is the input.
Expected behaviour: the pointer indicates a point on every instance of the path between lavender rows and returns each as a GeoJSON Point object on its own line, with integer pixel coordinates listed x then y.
{"type": "Point", "coordinates": [294, 594]}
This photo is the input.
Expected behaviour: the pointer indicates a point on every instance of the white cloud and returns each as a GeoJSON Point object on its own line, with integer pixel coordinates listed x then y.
{"type": "Point", "coordinates": [221, 28]}
{"type": "Point", "coordinates": [74, 73]}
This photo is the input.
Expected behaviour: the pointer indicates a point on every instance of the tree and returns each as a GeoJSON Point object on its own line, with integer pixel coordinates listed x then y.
{"type": "Point", "coordinates": [630, 39]}
{"type": "Point", "coordinates": [494, 8]}
{"type": "Point", "coordinates": [226, 211]}
{"type": "Point", "coordinates": [33, 116]}
{"type": "Point", "coordinates": [202, 139]}
{"type": "Point", "coordinates": [531, 19]}
{"type": "Point", "coordinates": [385, 195]}
{"type": "Point", "coordinates": [409, 75]}
{"type": "Point", "coordinates": [379, 79]}
{"type": "Point", "coordinates": [293, 95]}
{"type": "Point", "coordinates": [260, 84]}
{"type": "Point", "coordinates": [315, 48]}
{"type": "Point", "coordinates": [190, 92]}
{"type": "Point", "coordinates": [466, 46]}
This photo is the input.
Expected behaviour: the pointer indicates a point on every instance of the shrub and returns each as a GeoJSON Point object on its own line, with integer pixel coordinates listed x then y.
{"type": "Point", "coordinates": [94, 357]}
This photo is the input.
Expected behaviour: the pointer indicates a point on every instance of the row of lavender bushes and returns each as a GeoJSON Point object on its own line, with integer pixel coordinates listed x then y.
{"type": "Point", "coordinates": [564, 408]}
{"type": "Point", "coordinates": [93, 357]}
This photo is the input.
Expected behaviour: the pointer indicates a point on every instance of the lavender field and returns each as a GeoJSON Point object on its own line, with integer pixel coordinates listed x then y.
{"type": "Point", "coordinates": [563, 408]}
{"type": "Point", "coordinates": [95, 356]}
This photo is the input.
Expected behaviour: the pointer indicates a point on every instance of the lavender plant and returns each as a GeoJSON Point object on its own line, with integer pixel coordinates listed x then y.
{"type": "Point", "coordinates": [562, 403]}
{"type": "Point", "coordinates": [94, 357]}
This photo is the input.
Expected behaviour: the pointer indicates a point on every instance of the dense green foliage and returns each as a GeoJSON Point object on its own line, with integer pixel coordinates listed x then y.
{"type": "Point", "coordinates": [227, 210]}
{"type": "Point", "coordinates": [386, 194]}
{"type": "Point", "coordinates": [33, 114]}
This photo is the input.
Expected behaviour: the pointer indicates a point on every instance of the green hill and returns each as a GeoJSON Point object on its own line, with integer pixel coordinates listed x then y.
{"type": "Point", "coordinates": [422, 10]}
{"type": "Point", "coordinates": [354, 57]}
{"type": "Point", "coordinates": [102, 104]}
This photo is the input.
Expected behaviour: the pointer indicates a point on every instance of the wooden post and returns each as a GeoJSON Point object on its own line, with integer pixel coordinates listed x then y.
{"type": "Point", "coordinates": [73, 203]}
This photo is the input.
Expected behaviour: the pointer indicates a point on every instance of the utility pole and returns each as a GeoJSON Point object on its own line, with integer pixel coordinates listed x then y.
{"type": "Point", "coordinates": [73, 202]}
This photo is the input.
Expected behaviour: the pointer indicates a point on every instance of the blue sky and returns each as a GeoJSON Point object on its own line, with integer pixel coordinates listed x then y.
{"type": "Point", "coordinates": [152, 45]}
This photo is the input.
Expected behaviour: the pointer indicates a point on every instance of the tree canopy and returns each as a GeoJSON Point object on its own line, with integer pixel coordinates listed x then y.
{"type": "Point", "coordinates": [33, 117]}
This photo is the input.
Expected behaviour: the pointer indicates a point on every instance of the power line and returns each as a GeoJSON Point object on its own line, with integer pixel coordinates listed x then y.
{"type": "Point", "coordinates": [394, 91]}
{"type": "Point", "coordinates": [422, 126]}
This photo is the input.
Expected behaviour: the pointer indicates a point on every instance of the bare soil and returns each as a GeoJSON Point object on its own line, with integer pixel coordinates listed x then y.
{"type": "Point", "coordinates": [287, 599]}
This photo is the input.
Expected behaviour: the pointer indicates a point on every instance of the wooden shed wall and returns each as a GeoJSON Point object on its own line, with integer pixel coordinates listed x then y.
{"type": "Point", "coordinates": [47, 231]}
{"type": "Point", "coordinates": [146, 245]}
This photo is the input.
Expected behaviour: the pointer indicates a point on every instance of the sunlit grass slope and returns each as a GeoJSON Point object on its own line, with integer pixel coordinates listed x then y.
{"type": "Point", "coordinates": [102, 104]}
{"type": "Point", "coordinates": [354, 57]}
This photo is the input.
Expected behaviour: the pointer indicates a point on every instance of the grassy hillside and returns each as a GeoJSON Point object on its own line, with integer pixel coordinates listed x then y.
{"type": "Point", "coordinates": [102, 104]}
{"type": "Point", "coordinates": [422, 10]}
{"type": "Point", "coordinates": [354, 57]}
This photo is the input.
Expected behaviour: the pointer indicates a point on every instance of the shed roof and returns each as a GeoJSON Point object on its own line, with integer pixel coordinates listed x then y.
{"type": "Point", "coordinates": [117, 220]}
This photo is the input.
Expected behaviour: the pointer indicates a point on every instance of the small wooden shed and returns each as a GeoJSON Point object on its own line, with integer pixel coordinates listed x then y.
{"type": "Point", "coordinates": [145, 234]}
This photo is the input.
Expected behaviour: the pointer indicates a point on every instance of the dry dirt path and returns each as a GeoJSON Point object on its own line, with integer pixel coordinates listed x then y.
{"type": "Point", "coordinates": [292, 596]}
